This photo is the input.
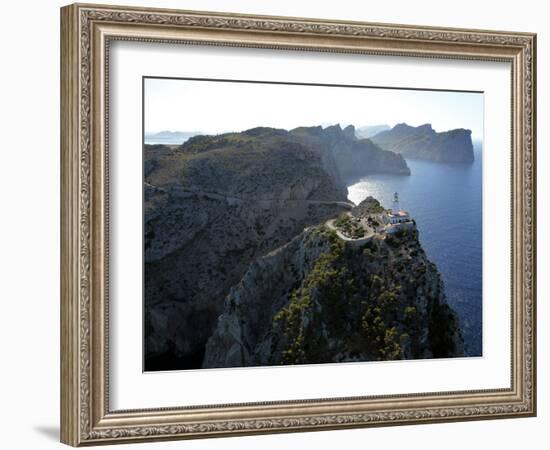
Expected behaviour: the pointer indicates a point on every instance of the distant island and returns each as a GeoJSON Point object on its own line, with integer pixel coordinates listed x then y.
{"type": "Point", "coordinates": [453, 146]}
{"type": "Point", "coordinates": [254, 255]}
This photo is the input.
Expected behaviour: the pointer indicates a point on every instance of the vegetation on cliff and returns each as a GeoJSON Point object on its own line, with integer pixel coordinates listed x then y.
{"type": "Point", "coordinates": [381, 301]}
{"type": "Point", "coordinates": [372, 311]}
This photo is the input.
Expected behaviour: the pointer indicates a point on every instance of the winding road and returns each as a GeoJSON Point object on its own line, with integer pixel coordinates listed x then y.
{"type": "Point", "coordinates": [182, 192]}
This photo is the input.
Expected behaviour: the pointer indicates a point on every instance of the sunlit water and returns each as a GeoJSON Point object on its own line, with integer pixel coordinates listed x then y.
{"type": "Point", "coordinates": [446, 202]}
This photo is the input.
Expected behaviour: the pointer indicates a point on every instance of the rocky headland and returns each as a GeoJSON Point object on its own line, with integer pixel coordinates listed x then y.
{"type": "Point", "coordinates": [322, 299]}
{"type": "Point", "coordinates": [453, 146]}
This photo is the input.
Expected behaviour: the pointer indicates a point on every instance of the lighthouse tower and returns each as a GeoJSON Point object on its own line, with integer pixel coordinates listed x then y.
{"type": "Point", "coordinates": [396, 208]}
{"type": "Point", "coordinates": [397, 215]}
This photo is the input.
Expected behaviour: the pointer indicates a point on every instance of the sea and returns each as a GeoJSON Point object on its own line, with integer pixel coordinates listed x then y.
{"type": "Point", "coordinates": [445, 200]}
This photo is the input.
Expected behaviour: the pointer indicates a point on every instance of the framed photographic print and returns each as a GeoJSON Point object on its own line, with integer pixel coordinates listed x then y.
{"type": "Point", "coordinates": [274, 224]}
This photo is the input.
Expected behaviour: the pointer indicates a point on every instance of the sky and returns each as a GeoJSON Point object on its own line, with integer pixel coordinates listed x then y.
{"type": "Point", "coordinates": [214, 107]}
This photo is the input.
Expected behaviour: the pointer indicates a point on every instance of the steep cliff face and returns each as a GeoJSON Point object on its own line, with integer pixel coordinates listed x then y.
{"type": "Point", "coordinates": [453, 146]}
{"type": "Point", "coordinates": [348, 156]}
{"type": "Point", "coordinates": [319, 299]}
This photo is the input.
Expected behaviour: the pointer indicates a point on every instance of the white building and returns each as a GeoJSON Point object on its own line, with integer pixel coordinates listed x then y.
{"type": "Point", "coordinates": [396, 214]}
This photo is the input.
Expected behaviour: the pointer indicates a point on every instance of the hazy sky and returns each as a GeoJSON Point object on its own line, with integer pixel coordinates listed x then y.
{"type": "Point", "coordinates": [216, 107]}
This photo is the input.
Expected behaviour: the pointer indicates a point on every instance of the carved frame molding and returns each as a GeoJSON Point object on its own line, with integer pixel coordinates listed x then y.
{"type": "Point", "coordinates": [86, 31]}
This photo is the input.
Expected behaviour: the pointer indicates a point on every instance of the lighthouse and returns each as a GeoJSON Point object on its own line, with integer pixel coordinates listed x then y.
{"type": "Point", "coordinates": [396, 215]}
{"type": "Point", "coordinates": [395, 208]}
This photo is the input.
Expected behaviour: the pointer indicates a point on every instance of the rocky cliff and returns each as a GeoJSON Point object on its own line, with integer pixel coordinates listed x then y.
{"type": "Point", "coordinates": [319, 299]}
{"type": "Point", "coordinates": [215, 204]}
{"type": "Point", "coordinates": [453, 146]}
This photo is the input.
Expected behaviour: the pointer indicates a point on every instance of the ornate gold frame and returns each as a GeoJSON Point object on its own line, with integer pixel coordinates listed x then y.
{"type": "Point", "coordinates": [86, 31]}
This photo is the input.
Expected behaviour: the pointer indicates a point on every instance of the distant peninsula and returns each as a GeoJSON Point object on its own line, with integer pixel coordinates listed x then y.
{"type": "Point", "coordinates": [423, 142]}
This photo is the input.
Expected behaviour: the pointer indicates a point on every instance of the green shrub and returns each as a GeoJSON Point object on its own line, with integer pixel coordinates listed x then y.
{"type": "Point", "coordinates": [325, 276]}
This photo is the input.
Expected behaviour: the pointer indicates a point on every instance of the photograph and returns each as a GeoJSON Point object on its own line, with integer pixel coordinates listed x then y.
{"type": "Point", "coordinates": [291, 223]}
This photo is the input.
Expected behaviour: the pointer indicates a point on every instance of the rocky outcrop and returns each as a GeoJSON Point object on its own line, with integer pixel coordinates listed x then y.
{"type": "Point", "coordinates": [319, 299]}
{"type": "Point", "coordinates": [453, 146]}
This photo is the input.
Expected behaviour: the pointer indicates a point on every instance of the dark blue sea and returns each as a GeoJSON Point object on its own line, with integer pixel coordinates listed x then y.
{"type": "Point", "coordinates": [446, 202]}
